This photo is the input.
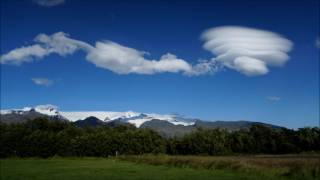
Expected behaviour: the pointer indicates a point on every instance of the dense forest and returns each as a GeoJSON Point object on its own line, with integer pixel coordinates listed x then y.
{"type": "Point", "coordinates": [44, 138]}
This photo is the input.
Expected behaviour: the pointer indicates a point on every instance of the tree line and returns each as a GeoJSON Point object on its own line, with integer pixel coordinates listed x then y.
{"type": "Point", "coordinates": [44, 138]}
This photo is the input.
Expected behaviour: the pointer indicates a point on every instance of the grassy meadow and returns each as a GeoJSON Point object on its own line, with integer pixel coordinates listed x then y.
{"type": "Point", "coordinates": [276, 166]}
{"type": "Point", "coordinates": [163, 167]}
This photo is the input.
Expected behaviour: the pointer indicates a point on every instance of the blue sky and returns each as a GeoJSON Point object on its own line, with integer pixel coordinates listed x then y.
{"type": "Point", "coordinates": [286, 95]}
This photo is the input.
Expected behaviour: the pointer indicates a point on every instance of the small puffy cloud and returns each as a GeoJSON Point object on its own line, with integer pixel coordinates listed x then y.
{"type": "Point", "coordinates": [318, 42]}
{"type": "Point", "coordinates": [49, 3]}
{"type": "Point", "coordinates": [42, 81]}
{"type": "Point", "coordinates": [273, 98]}
{"type": "Point", "coordinates": [249, 51]}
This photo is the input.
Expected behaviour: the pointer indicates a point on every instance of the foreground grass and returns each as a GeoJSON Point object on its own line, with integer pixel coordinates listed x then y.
{"type": "Point", "coordinates": [151, 167]}
{"type": "Point", "coordinates": [99, 168]}
{"type": "Point", "coordinates": [271, 166]}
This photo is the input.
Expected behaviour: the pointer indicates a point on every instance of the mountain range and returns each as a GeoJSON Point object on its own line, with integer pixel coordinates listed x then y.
{"type": "Point", "coordinates": [167, 125]}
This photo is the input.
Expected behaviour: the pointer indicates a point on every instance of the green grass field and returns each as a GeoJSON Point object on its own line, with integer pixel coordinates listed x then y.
{"type": "Point", "coordinates": [115, 169]}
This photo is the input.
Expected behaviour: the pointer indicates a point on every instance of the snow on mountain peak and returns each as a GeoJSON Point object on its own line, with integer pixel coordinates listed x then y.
{"type": "Point", "coordinates": [102, 115]}
{"type": "Point", "coordinates": [131, 117]}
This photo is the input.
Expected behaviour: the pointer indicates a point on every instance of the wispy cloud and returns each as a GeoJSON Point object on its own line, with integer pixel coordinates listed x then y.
{"type": "Point", "coordinates": [246, 50]}
{"type": "Point", "coordinates": [318, 42]}
{"type": "Point", "coordinates": [49, 3]}
{"type": "Point", "coordinates": [42, 81]}
{"type": "Point", "coordinates": [273, 98]}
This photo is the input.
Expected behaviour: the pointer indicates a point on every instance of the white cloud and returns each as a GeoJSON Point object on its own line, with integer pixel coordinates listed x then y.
{"type": "Point", "coordinates": [204, 67]}
{"type": "Point", "coordinates": [246, 50]}
{"type": "Point", "coordinates": [42, 81]}
{"type": "Point", "coordinates": [24, 54]}
{"type": "Point", "coordinates": [125, 60]}
{"type": "Point", "coordinates": [249, 51]}
{"type": "Point", "coordinates": [273, 98]}
{"type": "Point", "coordinates": [318, 42]}
{"type": "Point", "coordinates": [58, 43]}
{"type": "Point", "coordinates": [108, 55]}
{"type": "Point", "coordinates": [49, 3]}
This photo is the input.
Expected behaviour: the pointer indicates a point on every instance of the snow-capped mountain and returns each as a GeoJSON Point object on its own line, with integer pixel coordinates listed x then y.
{"type": "Point", "coordinates": [167, 125]}
{"type": "Point", "coordinates": [135, 118]}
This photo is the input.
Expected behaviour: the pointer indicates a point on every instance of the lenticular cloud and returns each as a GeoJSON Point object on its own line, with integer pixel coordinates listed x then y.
{"type": "Point", "coordinates": [249, 51]}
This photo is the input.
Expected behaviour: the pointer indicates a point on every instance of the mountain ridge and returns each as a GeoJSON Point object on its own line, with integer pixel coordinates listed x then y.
{"type": "Point", "coordinates": [167, 125]}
